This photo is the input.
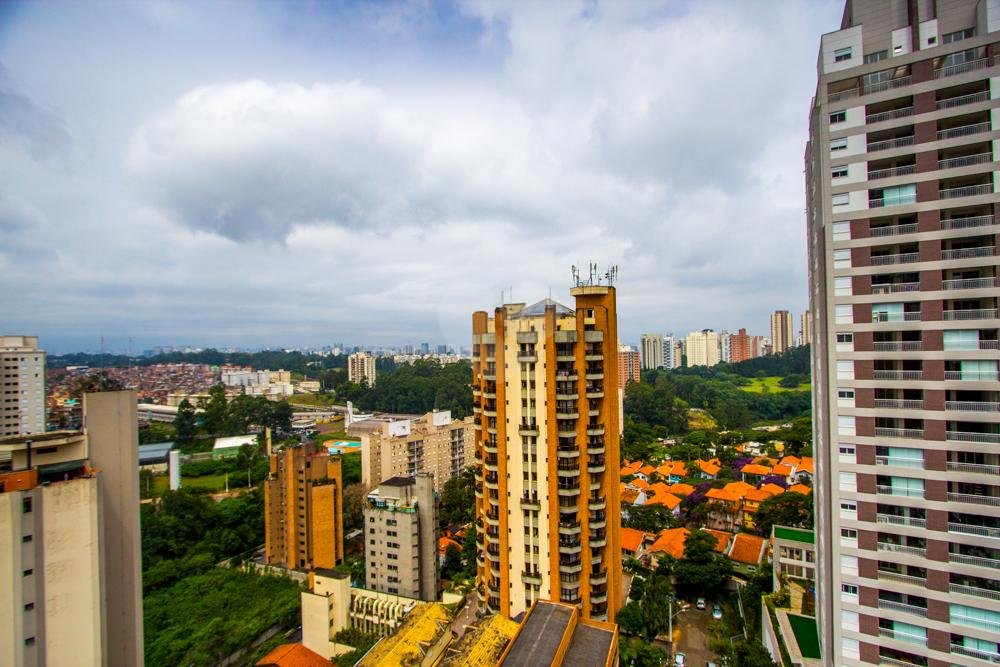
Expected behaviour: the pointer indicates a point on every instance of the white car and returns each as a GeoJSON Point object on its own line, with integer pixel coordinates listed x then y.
{"type": "Point", "coordinates": [700, 603]}
{"type": "Point", "coordinates": [717, 612]}
{"type": "Point", "coordinates": [679, 659]}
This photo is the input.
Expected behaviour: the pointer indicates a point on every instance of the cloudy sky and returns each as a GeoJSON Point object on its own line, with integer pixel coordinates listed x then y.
{"type": "Point", "coordinates": [290, 174]}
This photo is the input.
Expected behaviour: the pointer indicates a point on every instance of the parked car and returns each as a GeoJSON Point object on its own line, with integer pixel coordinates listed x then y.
{"type": "Point", "coordinates": [717, 612]}
{"type": "Point", "coordinates": [679, 659]}
{"type": "Point", "coordinates": [700, 603]}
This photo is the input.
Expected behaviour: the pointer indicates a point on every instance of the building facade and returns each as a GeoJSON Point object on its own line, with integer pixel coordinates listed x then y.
{"type": "Point", "coordinates": [672, 354]}
{"type": "Point", "coordinates": [739, 347]}
{"type": "Point", "coordinates": [546, 400]}
{"type": "Point", "coordinates": [400, 527]}
{"type": "Point", "coordinates": [361, 368]}
{"type": "Point", "coordinates": [69, 542]}
{"type": "Point", "coordinates": [435, 444]}
{"type": "Point", "coordinates": [782, 331]}
{"type": "Point", "coordinates": [629, 366]}
{"type": "Point", "coordinates": [22, 409]}
{"type": "Point", "coordinates": [702, 348]}
{"type": "Point", "coordinates": [652, 348]}
{"type": "Point", "coordinates": [806, 328]}
{"type": "Point", "coordinates": [725, 346]}
{"type": "Point", "coordinates": [304, 509]}
{"type": "Point", "coordinates": [901, 203]}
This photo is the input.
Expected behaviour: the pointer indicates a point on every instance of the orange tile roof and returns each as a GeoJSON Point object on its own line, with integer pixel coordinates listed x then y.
{"type": "Point", "coordinates": [632, 538]}
{"type": "Point", "coordinates": [681, 489]}
{"type": "Point", "coordinates": [806, 465]}
{"type": "Point", "coordinates": [638, 483]}
{"type": "Point", "coordinates": [782, 469]}
{"type": "Point", "coordinates": [657, 488]}
{"type": "Point", "coordinates": [790, 461]}
{"type": "Point", "coordinates": [709, 467]}
{"type": "Point", "coordinates": [747, 549]}
{"type": "Point", "coordinates": [721, 539]}
{"type": "Point", "coordinates": [724, 495]}
{"type": "Point", "coordinates": [293, 655]}
{"type": "Point", "coordinates": [669, 500]}
{"type": "Point", "coordinates": [446, 542]}
{"type": "Point", "coordinates": [755, 469]}
{"type": "Point", "coordinates": [739, 488]}
{"type": "Point", "coordinates": [630, 496]}
{"type": "Point", "coordinates": [671, 542]}
{"type": "Point", "coordinates": [758, 495]}
{"type": "Point", "coordinates": [773, 488]}
{"type": "Point", "coordinates": [800, 488]}
{"type": "Point", "coordinates": [762, 460]}
{"type": "Point", "coordinates": [632, 468]}
{"type": "Point", "coordinates": [647, 470]}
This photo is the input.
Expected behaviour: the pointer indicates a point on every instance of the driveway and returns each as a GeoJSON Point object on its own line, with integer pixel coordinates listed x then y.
{"type": "Point", "coordinates": [691, 635]}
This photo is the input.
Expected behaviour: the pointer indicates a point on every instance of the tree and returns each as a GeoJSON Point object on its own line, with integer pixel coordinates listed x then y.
{"type": "Point", "coordinates": [784, 509]}
{"type": "Point", "coordinates": [452, 562]}
{"type": "Point", "coordinates": [650, 518]}
{"type": "Point", "coordinates": [744, 653]}
{"type": "Point", "coordinates": [354, 499]}
{"type": "Point", "coordinates": [469, 551]}
{"type": "Point", "coordinates": [636, 653]}
{"type": "Point", "coordinates": [216, 411]}
{"type": "Point", "coordinates": [185, 425]}
{"type": "Point", "coordinates": [702, 570]}
{"type": "Point", "coordinates": [458, 500]}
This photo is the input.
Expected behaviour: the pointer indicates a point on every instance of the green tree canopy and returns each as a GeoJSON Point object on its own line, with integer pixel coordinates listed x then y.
{"type": "Point", "coordinates": [784, 509]}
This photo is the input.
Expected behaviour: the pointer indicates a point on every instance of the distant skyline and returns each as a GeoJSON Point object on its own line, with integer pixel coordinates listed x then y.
{"type": "Point", "coordinates": [290, 174]}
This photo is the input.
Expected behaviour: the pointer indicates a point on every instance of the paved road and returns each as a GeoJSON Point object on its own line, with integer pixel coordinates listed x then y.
{"type": "Point", "coordinates": [691, 636]}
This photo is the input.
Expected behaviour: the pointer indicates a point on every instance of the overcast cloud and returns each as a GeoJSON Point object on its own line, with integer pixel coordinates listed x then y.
{"type": "Point", "coordinates": [299, 174]}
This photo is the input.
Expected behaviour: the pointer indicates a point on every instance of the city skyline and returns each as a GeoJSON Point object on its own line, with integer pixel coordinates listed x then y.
{"type": "Point", "coordinates": [143, 202]}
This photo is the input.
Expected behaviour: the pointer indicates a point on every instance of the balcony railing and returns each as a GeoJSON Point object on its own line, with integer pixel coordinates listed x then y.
{"type": "Point", "coordinates": [886, 144]}
{"type": "Point", "coordinates": [970, 436]}
{"type": "Point", "coordinates": [889, 115]}
{"type": "Point", "coordinates": [886, 85]}
{"type": "Point", "coordinates": [972, 406]}
{"type": "Point", "coordinates": [965, 161]}
{"type": "Point", "coordinates": [965, 223]}
{"type": "Point", "coordinates": [902, 578]}
{"type": "Point", "coordinates": [897, 375]}
{"type": "Point", "coordinates": [896, 520]}
{"type": "Point", "coordinates": [889, 633]}
{"type": "Point", "coordinates": [897, 491]}
{"type": "Point", "coordinates": [969, 283]}
{"type": "Point", "coordinates": [962, 100]}
{"type": "Point", "coordinates": [895, 662]}
{"type": "Point", "coordinates": [974, 591]}
{"type": "Point", "coordinates": [962, 68]}
{"type": "Point", "coordinates": [916, 433]}
{"type": "Point", "coordinates": [900, 258]}
{"type": "Point", "coordinates": [899, 403]}
{"type": "Point", "coordinates": [966, 191]}
{"type": "Point", "coordinates": [972, 376]}
{"type": "Point", "coordinates": [968, 253]}
{"type": "Point", "coordinates": [963, 131]}
{"type": "Point", "coordinates": [974, 499]}
{"type": "Point", "coordinates": [893, 230]}
{"type": "Point", "coordinates": [901, 170]}
{"type": "Point", "coordinates": [898, 345]}
{"type": "Point", "coordinates": [903, 607]}
{"type": "Point", "coordinates": [978, 561]}
{"type": "Point", "coordinates": [970, 314]}
{"type": "Point", "coordinates": [901, 548]}
{"type": "Point", "coordinates": [975, 653]}
{"type": "Point", "coordinates": [978, 468]}
{"type": "Point", "coordinates": [970, 529]}
{"type": "Point", "coordinates": [899, 462]}
{"type": "Point", "coordinates": [890, 288]}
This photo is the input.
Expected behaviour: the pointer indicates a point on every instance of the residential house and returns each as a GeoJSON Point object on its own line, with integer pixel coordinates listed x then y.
{"type": "Point", "coordinates": [754, 473]}
{"type": "Point", "coordinates": [673, 471]}
{"type": "Point", "coordinates": [708, 469]}
{"type": "Point", "coordinates": [752, 501]}
{"type": "Point", "coordinates": [632, 541]}
{"type": "Point", "coordinates": [746, 552]}
{"type": "Point", "coordinates": [669, 542]}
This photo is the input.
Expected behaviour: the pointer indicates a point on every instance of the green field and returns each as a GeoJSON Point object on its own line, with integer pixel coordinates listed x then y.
{"type": "Point", "coordinates": [770, 385]}
{"type": "Point", "coordinates": [211, 482]}
{"type": "Point", "coordinates": [319, 400]}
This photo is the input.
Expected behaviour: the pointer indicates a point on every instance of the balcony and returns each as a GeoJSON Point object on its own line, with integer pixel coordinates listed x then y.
{"type": "Point", "coordinates": [595, 429]}
{"type": "Point", "coordinates": [972, 406]}
{"type": "Point", "coordinates": [963, 131]}
{"type": "Point", "coordinates": [890, 288]}
{"type": "Point", "coordinates": [965, 161]}
{"type": "Point", "coordinates": [914, 433]}
{"type": "Point", "coordinates": [899, 492]}
{"type": "Point", "coordinates": [970, 314]}
{"type": "Point", "coordinates": [597, 579]}
{"type": "Point", "coordinates": [902, 578]}
{"type": "Point", "coordinates": [889, 633]}
{"type": "Point", "coordinates": [903, 607]}
{"type": "Point", "coordinates": [597, 503]}
{"type": "Point", "coordinates": [889, 115]}
{"type": "Point", "coordinates": [894, 662]}
{"type": "Point", "coordinates": [897, 375]}
{"type": "Point", "coordinates": [597, 542]}
{"type": "Point", "coordinates": [974, 591]}
{"type": "Point", "coordinates": [901, 258]}
{"type": "Point", "coordinates": [971, 376]}
{"type": "Point", "coordinates": [895, 520]}
{"type": "Point", "coordinates": [966, 223]}
{"type": "Point", "coordinates": [568, 492]}
{"type": "Point", "coordinates": [977, 468]}
{"type": "Point", "coordinates": [898, 346]}
{"type": "Point", "coordinates": [570, 548]}
{"type": "Point", "coordinates": [978, 561]}
{"type": "Point", "coordinates": [902, 549]}
{"type": "Point", "coordinates": [970, 283]}
{"type": "Point", "coordinates": [532, 577]}
{"type": "Point", "coordinates": [962, 100]}
{"type": "Point", "coordinates": [972, 436]}
{"type": "Point", "coordinates": [595, 598]}
{"type": "Point", "coordinates": [968, 253]}
{"type": "Point", "coordinates": [894, 230]}
{"type": "Point", "coordinates": [569, 528]}
{"type": "Point", "coordinates": [567, 453]}
{"type": "Point", "coordinates": [962, 68]}
{"type": "Point", "coordinates": [902, 170]}
{"type": "Point", "coordinates": [899, 404]}
{"type": "Point", "coordinates": [971, 529]}
{"type": "Point", "coordinates": [530, 503]}
{"type": "Point", "coordinates": [958, 649]}
{"type": "Point", "coordinates": [887, 144]}
{"type": "Point", "coordinates": [966, 191]}
{"type": "Point", "coordinates": [974, 499]}
{"type": "Point", "coordinates": [899, 462]}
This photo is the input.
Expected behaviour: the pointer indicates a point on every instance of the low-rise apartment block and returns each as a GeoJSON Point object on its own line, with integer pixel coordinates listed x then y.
{"type": "Point", "coordinates": [434, 443]}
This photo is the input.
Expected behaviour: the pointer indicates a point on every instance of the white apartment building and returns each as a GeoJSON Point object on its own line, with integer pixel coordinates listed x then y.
{"type": "Point", "coordinates": [22, 408]}
{"type": "Point", "coordinates": [361, 368]}
{"type": "Point", "coordinates": [651, 348]}
{"type": "Point", "coordinates": [702, 348]}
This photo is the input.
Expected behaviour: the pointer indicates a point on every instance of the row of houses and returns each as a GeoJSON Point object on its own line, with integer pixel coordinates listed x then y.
{"type": "Point", "coordinates": [746, 551]}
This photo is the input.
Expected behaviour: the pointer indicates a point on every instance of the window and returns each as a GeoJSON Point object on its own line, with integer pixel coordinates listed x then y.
{"type": "Point", "coordinates": [838, 144]}
{"type": "Point", "coordinates": [958, 35]}
{"type": "Point", "coordinates": [975, 618]}
{"type": "Point", "coordinates": [901, 194]}
{"type": "Point", "coordinates": [846, 425]}
{"type": "Point", "coordinates": [961, 340]}
{"type": "Point", "coordinates": [848, 481]}
{"type": "Point", "coordinates": [842, 230]}
{"type": "Point", "coordinates": [849, 589]}
{"type": "Point", "coordinates": [849, 533]}
{"type": "Point", "coordinates": [842, 286]}
{"type": "Point", "coordinates": [838, 117]}
{"type": "Point", "coordinates": [849, 506]}
{"type": "Point", "coordinates": [840, 55]}
{"type": "Point", "coordinates": [845, 369]}
{"type": "Point", "coordinates": [839, 172]}
{"type": "Point", "coordinates": [847, 394]}
{"type": "Point", "coordinates": [844, 313]}
{"type": "Point", "coordinates": [845, 339]}
{"type": "Point", "coordinates": [26, 538]}
{"type": "Point", "coordinates": [876, 56]}
{"type": "Point", "coordinates": [30, 641]}
{"type": "Point", "coordinates": [29, 606]}
{"type": "Point", "coordinates": [26, 505]}
{"type": "Point", "coordinates": [842, 259]}
{"type": "Point", "coordinates": [29, 572]}
{"type": "Point", "coordinates": [841, 199]}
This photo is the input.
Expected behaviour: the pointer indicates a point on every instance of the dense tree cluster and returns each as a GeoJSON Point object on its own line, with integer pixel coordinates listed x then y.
{"type": "Point", "coordinates": [703, 571]}
{"type": "Point", "coordinates": [415, 388]}
{"type": "Point", "coordinates": [784, 509]}
{"type": "Point", "coordinates": [222, 417]}
{"type": "Point", "coordinates": [458, 500]}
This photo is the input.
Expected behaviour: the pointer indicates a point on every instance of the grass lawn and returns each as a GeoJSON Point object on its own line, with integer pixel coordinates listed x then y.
{"type": "Point", "coordinates": [770, 384]}
{"type": "Point", "coordinates": [319, 400]}
{"type": "Point", "coordinates": [806, 634]}
{"type": "Point", "coordinates": [211, 482]}
{"type": "Point", "coordinates": [700, 420]}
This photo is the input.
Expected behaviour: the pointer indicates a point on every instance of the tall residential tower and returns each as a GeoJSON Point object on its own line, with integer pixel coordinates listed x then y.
{"type": "Point", "coordinates": [901, 204]}
{"type": "Point", "coordinates": [546, 402]}
{"type": "Point", "coordinates": [782, 331]}
{"type": "Point", "coordinates": [22, 409]}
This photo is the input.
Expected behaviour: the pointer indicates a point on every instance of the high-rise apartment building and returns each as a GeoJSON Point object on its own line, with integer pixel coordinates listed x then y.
{"type": "Point", "coordinates": [806, 328]}
{"type": "Point", "coordinates": [760, 346]}
{"type": "Point", "coordinates": [725, 346]}
{"type": "Point", "coordinates": [22, 364]}
{"type": "Point", "coordinates": [435, 444]}
{"type": "Point", "coordinates": [901, 203]}
{"type": "Point", "coordinates": [71, 591]}
{"type": "Point", "coordinates": [702, 348]}
{"type": "Point", "coordinates": [629, 366]}
{"type": "Point", "coordinates": [400, 530]}
{"type": "Point", "coordinates": [652, 349]}
{"type": "Point", "coordinates": [304, 508]}
{"type": "Point", "coordinates": [782, 331]}
{"type": "Point", "coordinates": [546, 399]}
{"type": "Point", "coordinates": [672, 355]}
{"type": "Point", "coordinates": [739, 347]}
{"type": "Point", "coordinates": [361, 368]}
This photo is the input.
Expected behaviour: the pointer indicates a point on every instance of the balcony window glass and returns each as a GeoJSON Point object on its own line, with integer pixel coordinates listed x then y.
{"type": "Point", "coordinates": [982, 370]}
{"type": "Point", "coordinates": [974, 617]}
{"type": "Point", "coordinates": [961, 340]}
{"type": "Point", "coordinates": [981, 645]}
{"type": "Point", "coordinates": [841, 199]}
{"type": "Point", "coordinates": [908, 631]}
{"type": "Point", "coordinates": [900, 194]}
{"type": "Point", "coordinates": [842, 286]}
{"type": "Point", "coordinates": [842, 230]}
{"type": "Point", "coordinates": [906, 486]}
{"type": "Point", "coordinates": [840, 55]}
{"type": "Point", "coordinates": [906, 456]}
{"type": "Point", "coordinates": [958, 35]}
{"type": "Point", "coordinates": [844, 313]}
{"type": "Point", "coordinates": [887, 312]}
{"type": "Point", "coordinates": [874, 78]}
{"type": "Point", "coordinates": [958, 58]}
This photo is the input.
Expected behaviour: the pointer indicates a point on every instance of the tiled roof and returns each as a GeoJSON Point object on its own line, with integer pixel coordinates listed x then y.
{"type": "Point", "coordinates": [758, 495]}
{"type": "Point", "coordinates": [632, 538]}
{"type": "Point", "coordinates": [669, 468]}
{"type": "Point", "coordinates": [709, 467]}
{"type": "Point", "coordinates": [681, 489]}
{"type": "Point", "coordinates": [806, 465]}
{"type": "Point", "coordinates": [638, 483]}
{"type": "Point", "coordinates": [632, 468]}
{"type": "Point", "coordinates": [293, 655]}
{"type": "Point", "coordinates": [747, 549]}
{"type": "Point", "coordinates": [724, 495]}
{"type": "Point", "coordinates": [630, 496]}
{"type": "Point", "coordinates": [755, 469]}
{"type": "Point", "coordinates": [671, 542]}
{"type": "Point", "coordinates": [773, 488]}
{"type": "Point", "coordinates": [722, 539]}
{"type": "Point", "coordinates": [739, 488]}
{"type": "Point", "coordinates": [669, 500]}
{"type": "Point", "coordinates": [782, 469]}
{"type": "Point", "coordinates": [445, 542]}
{"type": "Point", "coordinates": [790, 461]}
{"type": "Point", "coordinates": [800, 488]}
{"type": "Point", "coordinates": [647, 470]}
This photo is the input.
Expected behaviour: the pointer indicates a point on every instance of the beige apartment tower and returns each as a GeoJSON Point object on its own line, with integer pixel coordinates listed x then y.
{"type": "Point", "coordinates": [22, 371]}
{"type": "Point", "coordinates": [304, 508]}
{"type": "Point", "coordinates": [782, 331]}
{"type": "Point", "coordinates": [546, 403]}
{"type": "Point", "coordinates": [652, 348]}
{"type": "Point", "coordinates": [69, 542]}
{"type": "Point", "coordinates": [361, 368]}
{"type": "Point", "coordinates": [435, 444]}
{"type": "Point", "coordinates": [400, 527]}
{"type": "Point", "coordinates": [901, 202]}
{"type": "Point", "coordinates": [702, 348]}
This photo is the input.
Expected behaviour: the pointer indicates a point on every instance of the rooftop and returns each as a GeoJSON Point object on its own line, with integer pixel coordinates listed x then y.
{"type": "Point", "coordinates": [793, 534]}
{"type": "Point", "coordinates": [550, 625]}
{"type": "Point", "coordinates": [483, 645]}
{"type": "Point", "coordinates": [292, 655]}
{"type": "Point", "coordinates": [420, 630]}
{"type": "Point", "coordinates": [538, 309]}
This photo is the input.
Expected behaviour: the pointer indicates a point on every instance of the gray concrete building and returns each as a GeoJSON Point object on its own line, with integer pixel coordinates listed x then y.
{"type": "Point", "coordinates": [22, 385]}
{"type": "Point", "coordinates": [902, 200]}
{"type": "Point", "coordinates": [652, 349]}
{"type": "Point", "coordinates": [401, 554]}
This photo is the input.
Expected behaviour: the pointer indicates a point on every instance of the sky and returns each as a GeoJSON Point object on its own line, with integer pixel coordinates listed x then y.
{"type": "Point", "coordinates": [291, 174]}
